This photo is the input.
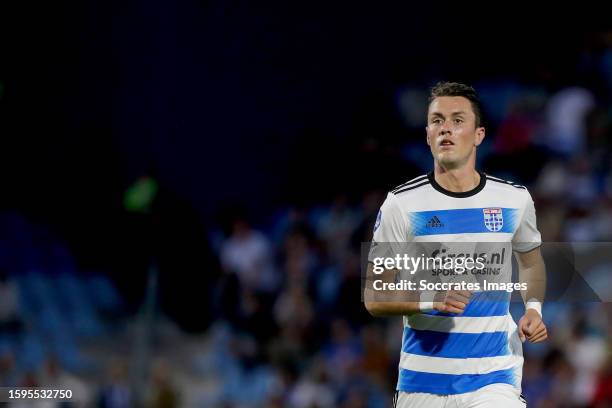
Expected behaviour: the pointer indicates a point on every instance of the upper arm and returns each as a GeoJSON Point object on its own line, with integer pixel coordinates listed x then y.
{"type": "Point", "coordinates": [529, 259]}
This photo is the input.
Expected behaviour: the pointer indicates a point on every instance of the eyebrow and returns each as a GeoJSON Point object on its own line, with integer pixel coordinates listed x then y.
{"type": "Point", "coordinates": [456, 113]}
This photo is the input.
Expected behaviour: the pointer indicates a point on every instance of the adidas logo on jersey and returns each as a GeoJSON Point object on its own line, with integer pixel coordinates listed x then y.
{"type": "Point", "coordinates": [434, 222]}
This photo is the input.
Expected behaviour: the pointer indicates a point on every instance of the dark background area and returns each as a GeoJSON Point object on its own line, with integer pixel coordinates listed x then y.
{"type": "Point", "coordinates": [218, 96]}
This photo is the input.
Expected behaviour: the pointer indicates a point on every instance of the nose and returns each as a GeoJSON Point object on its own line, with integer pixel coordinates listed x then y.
{"type": "Point", "coordinates": [445, 128]}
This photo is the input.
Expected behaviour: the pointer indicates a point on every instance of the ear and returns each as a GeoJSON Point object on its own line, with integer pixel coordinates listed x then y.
{"type": "Point", "coordinates": [427, 135]}
{"type": "Point", "coordinates": [480, 135]}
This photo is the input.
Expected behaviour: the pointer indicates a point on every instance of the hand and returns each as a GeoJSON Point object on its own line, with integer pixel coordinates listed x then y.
{"type": "Point", "coordinates": [531, 327]}
{"type": "Point", "coordinates": [454, 301]}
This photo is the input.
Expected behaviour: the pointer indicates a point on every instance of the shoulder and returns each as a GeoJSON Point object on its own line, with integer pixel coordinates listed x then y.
{"type": "Point", "coordinates": [510, 190]}
{"type": "Point", "coordinates": [504, 184]}
{"type": "Point", "coordinates": [411, 185]}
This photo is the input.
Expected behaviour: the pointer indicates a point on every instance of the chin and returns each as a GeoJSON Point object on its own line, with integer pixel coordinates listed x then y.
{"type": "Point", "coordinates": [449, 163]}
{"type": "Point", "coordinates": [446, 160]}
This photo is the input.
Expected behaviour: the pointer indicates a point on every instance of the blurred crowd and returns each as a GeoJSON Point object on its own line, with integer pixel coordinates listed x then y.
{"type": "Point", "coordinates": [288, 327]}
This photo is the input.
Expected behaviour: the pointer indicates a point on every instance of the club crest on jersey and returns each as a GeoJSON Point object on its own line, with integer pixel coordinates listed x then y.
{"type": "Point", "coordinates": [493, 219]}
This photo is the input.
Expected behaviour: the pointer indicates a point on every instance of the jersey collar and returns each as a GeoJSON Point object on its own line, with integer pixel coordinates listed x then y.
{"type": "Point", "coordinates": [463, 194]}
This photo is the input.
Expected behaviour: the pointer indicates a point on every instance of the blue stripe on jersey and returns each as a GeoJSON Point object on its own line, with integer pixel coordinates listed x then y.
{"type": "Point", "coordinates": [461, 221]}
{"type": "Point", "coordinates": [455, 345]}
{"type": "Point", "coordinates": [416, 381]}
{"type": "Point", "coordinates": [483, 304]}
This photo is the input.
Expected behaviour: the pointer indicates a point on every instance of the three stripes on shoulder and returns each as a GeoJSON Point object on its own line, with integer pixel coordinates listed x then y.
{"type": "Point", "coordinates": [505, 182]}
{"type": "Point", "coordinates": [412, 184]}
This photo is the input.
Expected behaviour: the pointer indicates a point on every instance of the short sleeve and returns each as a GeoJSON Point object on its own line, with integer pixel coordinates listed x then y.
{"type": "Point", "coordinates": [389, 229]}
{"type": "Point", "coordinates": [527, 236]}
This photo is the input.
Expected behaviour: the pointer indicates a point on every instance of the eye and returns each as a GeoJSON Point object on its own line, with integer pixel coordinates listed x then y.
{"type": "Point", "coordinates": [458, 121]}
{"type": "Point", "coordinates": [436, 121]}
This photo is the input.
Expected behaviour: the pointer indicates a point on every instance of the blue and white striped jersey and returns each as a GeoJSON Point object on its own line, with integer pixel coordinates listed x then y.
{"type": "Point", "coordinates": [446, 353]}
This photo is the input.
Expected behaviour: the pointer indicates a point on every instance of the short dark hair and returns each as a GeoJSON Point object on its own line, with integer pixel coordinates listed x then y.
{"type": "Point", "coordinates": [458, 89]}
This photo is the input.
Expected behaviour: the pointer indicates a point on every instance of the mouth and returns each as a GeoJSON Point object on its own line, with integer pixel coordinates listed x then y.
{"type": "Point", "coordinates": [446, 143]}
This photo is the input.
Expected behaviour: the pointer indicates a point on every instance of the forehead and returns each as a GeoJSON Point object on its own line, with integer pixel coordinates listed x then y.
{"type": "Point", "coordinates": [447, 105]}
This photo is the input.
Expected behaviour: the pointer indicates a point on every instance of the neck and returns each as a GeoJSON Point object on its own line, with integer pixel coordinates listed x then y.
{"type": "Point", "coordinates": [457, 180]}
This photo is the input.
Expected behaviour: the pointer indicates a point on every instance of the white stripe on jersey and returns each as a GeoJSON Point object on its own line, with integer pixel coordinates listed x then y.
{"type": "Point", "coordinates": [443, 365]}
{"type": "Point", "coordinates": [458, 324]}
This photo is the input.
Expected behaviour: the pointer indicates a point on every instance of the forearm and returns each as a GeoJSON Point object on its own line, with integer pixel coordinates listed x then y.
{"type": "Point", "coordinates": [381, 308]}
{"type": "Point", "coordinates": [385, 302]}
{"type": "Point", "coordinates": [532, 272]}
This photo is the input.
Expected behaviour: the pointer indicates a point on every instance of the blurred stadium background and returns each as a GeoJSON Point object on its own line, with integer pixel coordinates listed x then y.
{"type": "Point", "coordinates": [185, 187]}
